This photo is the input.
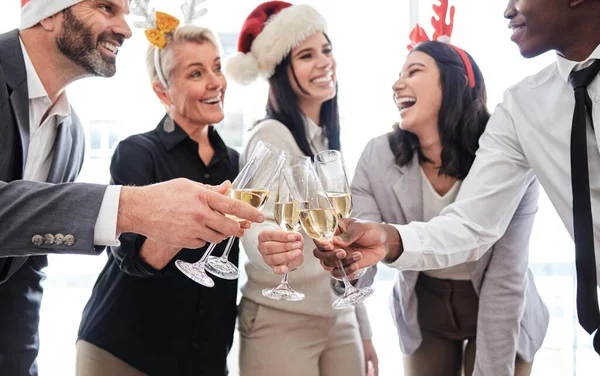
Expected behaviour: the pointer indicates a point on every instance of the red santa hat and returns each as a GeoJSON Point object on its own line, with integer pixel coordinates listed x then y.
{"type": "Point", "coordinates": [268, 35]}
{"type": "Point", "coordinates": [33, 11]}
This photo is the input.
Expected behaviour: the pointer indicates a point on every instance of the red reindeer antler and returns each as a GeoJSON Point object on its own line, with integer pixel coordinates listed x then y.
{"type": "Point", "coordinates": [443, 32]}
{"type": "Point", "coordinates": [417, 35]}
{"type": "Point", "coordinates": [442, 29]}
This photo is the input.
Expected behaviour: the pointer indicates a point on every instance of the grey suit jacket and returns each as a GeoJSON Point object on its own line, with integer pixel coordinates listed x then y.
{"type": "Point", "coordinates": [512, 317]}
{"type": "Point", "coordinates": [31, 208]}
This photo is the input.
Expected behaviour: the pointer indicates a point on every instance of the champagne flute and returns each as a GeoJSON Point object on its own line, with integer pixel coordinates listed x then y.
{"type": "Point", "coordinates": [330, 168]}
{"type": "Point", "coordinates": [319, 219]}
{"type": "Point", "coordinates": [329, 165]}
{"type": "Point", "coordinates": [250, 186]}
{"type": "Point", "coordinates": [286, 216]}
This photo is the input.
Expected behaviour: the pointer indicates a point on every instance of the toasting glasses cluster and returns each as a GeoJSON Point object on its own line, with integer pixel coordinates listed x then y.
{"type": "Point", "coordinates": [309, 197]}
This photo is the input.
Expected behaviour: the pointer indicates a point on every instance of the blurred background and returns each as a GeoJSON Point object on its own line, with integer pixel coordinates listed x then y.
{"type": "Point", "coordinates": [369, 40]}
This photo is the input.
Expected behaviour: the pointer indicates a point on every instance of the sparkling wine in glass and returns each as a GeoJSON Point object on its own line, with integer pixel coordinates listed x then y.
{"type": "Point", "coordinates": [286, 215]}
{"type": "Point", "coordinates": [251, 186]}
{"type": "Point", "coordinates": [319, 219]}
{"type": "Point", "coordinates": [331, 171]}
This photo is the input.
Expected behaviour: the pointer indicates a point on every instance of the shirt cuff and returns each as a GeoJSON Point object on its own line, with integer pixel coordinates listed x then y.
{"type": "Point", "coordinates": [105, 230]}
{"type": "Point", "coordinates": [411, 256]}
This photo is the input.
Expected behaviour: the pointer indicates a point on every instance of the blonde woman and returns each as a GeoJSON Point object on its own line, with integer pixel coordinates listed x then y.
{"type": "Point", "coordinates": [145, 320]}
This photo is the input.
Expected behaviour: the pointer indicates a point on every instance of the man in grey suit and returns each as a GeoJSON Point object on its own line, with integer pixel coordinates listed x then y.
{"type": "Point", "coordinates": [42, 145]}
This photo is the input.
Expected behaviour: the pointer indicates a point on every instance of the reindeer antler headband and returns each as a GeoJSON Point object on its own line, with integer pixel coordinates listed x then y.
{"type": "Point", "coordinates": [442, 33]}
{"type": "Point", "coordinates": [159, 24]}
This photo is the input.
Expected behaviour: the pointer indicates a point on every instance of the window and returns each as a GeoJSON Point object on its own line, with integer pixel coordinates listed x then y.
{"type": "Point", "coordinates": [95, 140]}
{"type": "Point", "coordinates": [104, 137]}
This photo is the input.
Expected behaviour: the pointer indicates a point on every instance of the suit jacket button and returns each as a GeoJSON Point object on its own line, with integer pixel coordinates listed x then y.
{"type": "Point", "coordinates": [69, 240]}
{"type": "Point", "coordinates": [59, 239]}
{"type": "Point", "coordinates": [48, 239]}
{"type": "Point", "coordinates": [37, 240]}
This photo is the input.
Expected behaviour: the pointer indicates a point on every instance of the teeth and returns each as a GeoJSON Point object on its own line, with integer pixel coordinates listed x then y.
{"type": "Point", "coordinates": [212, 100]}
{"type": "Point", "coordinates": [405, 102]}
{"type": "Point", "coordinates": [111, 47]}
{"type": "Point", "coordinates": [402, 100]}
{"type": "Point", "coordinates": [323, 79]}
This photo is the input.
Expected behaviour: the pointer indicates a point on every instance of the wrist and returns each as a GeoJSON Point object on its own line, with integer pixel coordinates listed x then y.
{"type": "Point", "coordinates": [128, 217]}
{"type": "Point", "coordinates": [155, 255]}
{"type": "Point", "coordinates": [393, 243]}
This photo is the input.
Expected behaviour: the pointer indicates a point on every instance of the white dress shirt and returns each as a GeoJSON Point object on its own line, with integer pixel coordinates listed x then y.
{"type": "Point", "coordinates": [527, 136]}
{"type": "Point", "coordinates": [44, 119]}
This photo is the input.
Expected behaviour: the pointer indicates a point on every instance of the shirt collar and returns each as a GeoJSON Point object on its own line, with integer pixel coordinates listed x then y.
{"type": "Point", "coordinates": [62, 108]}
{"type": "Point", "coordinates": [36, 89]}
{"type": "Point", "coordinates": [313, 131]}
{"type": "Point", "coordinates": [34, 84]}
{"type": "Point", "coordinates": [565, 66]}
{"type": "Point", "coordinates": [171, 139]}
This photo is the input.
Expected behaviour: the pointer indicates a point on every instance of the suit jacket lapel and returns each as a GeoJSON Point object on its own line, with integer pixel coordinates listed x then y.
{"type": "Point", "coordinates": [14, 123]}
{"type": "Point", "coordinates": [408, 190]}
{"type": "Point", "coordinates": [62, 152]}
{"type": "Point", "coordinates": [15, 74]}
{"type": "Point", "coordinates": [19, 99]}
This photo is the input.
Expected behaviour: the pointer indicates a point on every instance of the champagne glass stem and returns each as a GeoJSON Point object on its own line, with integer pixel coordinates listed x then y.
{"type": "Point", "coordinates": [225, 254]}
{"type": "Point", "coordinates": [284, 279]}
{"type": "Point", "coordinates": [207, 253]}
{"type": "Point", "coordinates": [347, 285]}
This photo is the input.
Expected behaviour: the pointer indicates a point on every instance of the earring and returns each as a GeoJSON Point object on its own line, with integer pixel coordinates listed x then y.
{"type": "Point", "coordinates": [169, 125]}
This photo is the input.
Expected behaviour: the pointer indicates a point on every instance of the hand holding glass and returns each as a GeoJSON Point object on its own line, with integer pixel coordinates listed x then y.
{"type": "Point", "coordinates": [330, 168]}
{"type": "Point", "coordinates": [250, 186]}
{"type": "Point", "coordinates": [286, 216]}
{"type": "Point", "coordinates": [319, 219]}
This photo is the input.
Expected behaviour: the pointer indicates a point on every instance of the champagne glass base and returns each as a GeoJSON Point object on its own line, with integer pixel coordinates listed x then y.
{"type": "Point", "coordinates": [353, 297]}
{"type": "Point", "coordinates": [195, 272]}
{"type": "Point", "coordinates": [222, 269]}
{"type": "Point", "coordinates": [283, 292]}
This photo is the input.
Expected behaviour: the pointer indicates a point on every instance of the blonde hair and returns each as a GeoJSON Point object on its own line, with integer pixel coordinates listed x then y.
{"type": "Point", "coordinates": [184, 34]}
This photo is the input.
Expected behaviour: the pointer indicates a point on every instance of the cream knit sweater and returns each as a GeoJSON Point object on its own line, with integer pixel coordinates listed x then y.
{"type": "Point", "coordinates": [309, 278]}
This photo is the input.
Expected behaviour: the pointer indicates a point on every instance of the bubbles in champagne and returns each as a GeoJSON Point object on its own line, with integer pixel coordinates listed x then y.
{"type": "Point", "coordinates": [319, 224]}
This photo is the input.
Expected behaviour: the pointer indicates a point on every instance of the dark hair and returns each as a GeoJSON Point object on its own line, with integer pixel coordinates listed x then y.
{"type": "Point", "coordinates": [282, 105]}
{"type": "Point", "coordinates": [462, 118]}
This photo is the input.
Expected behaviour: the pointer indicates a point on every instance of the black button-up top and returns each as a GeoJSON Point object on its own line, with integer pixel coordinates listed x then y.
{"type": "Point", "coordinates": [161, 322]}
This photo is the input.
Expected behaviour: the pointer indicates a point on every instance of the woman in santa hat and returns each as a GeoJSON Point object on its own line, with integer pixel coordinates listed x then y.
{"type": "Point", "coordinates": [288, 45]}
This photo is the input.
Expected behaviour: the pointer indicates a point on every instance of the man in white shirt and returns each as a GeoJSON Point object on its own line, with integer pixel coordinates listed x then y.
{"type": "Point", "coordinates": [529, 135]}
{"type": "Point", "coordinates": [42, 144]}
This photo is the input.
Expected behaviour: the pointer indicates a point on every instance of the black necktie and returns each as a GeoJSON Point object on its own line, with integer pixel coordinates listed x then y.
{"type": "Point", "coordinates": [583, 224]}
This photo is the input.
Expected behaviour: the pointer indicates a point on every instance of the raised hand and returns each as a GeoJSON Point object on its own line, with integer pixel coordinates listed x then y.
{"type": "Point", "coordinates": [359, 244]}
{"type": "Point", "coordinates": [183, 214]}
{"type": "Point", "coordinates": [281, 250]}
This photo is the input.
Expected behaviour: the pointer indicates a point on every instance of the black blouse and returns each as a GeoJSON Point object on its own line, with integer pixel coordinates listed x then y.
{"type": "Point", "coordinates": [161, 322]}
